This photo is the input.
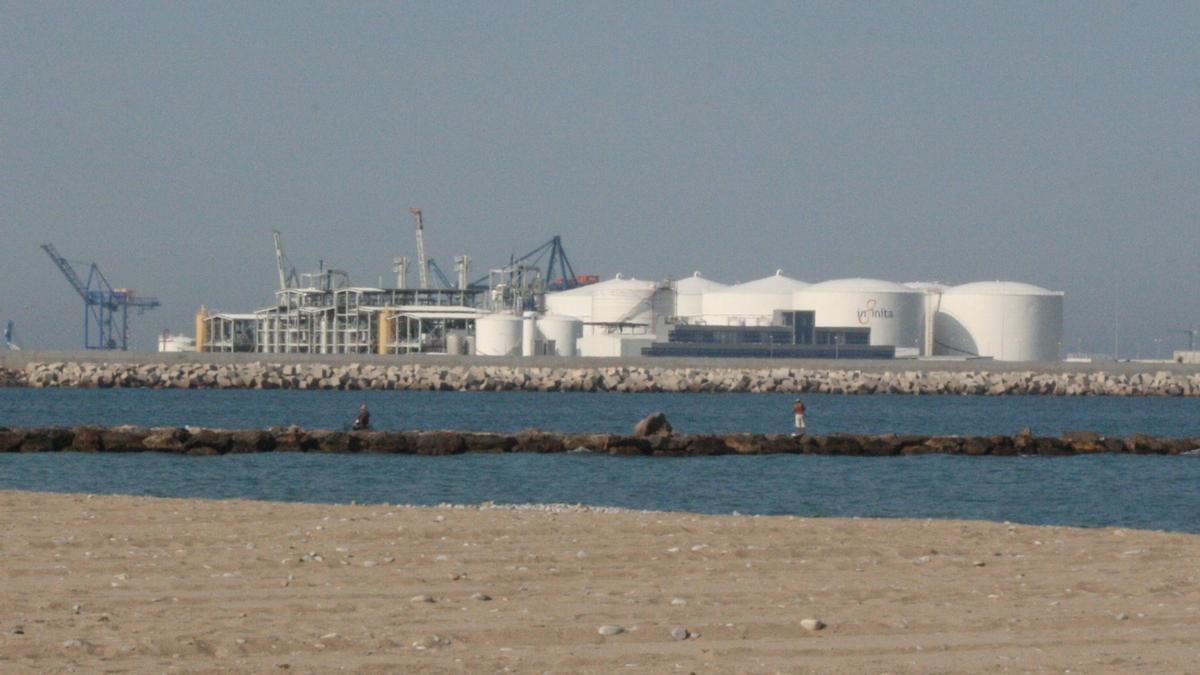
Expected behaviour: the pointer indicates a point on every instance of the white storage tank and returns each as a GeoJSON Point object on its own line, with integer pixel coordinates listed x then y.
{"type": "Point", "coordinates": [576, 302]}
{"type": "Point", "coordinates": [689, 296]}
{"type": "Point", "coordinates": [563, 331]}
{"type": "Point", "coordinates": [894, 313]}
{"type": "Point", "coordinates": [623, 300]}
{"type": "Point", "coordinates": [498, 335]}
{"type": "Point", "coordinates": [1006, 320]}
{"type": "Point", "coordinates": [752, 303]}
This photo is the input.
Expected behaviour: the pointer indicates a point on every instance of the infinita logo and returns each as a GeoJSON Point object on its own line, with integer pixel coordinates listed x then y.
{"type": "Point", "coordinates": [873, 311]}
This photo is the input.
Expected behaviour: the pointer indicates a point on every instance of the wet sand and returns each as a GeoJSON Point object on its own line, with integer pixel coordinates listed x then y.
{"type": "Point", "coordinates": [133, 584]}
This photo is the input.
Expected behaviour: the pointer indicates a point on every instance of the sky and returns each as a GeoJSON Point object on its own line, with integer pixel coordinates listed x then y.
{"type": "Point", "coordinates": [1056, 144]}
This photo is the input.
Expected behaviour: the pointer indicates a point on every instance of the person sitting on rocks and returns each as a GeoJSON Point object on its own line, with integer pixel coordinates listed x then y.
{"type": "Point", "coordinates": [363, 421]}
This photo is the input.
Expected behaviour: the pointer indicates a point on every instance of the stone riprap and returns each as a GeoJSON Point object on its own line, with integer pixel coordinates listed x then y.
{"type": "Point", "coordinates": [256, 375]}
{"type": "Point", "coordinates": [202, 441]}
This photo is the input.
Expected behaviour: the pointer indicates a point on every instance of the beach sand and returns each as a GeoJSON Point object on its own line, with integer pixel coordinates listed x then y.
{"type": "Point", "coordinates": [131, 584]}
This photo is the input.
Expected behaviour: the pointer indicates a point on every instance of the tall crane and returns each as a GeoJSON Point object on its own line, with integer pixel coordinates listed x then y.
{"type": "Point", "coordinates": [422, 262]}
{"type": "Point", "coordinates": [105, 309]}
{"type": "Point", "coordinates": [287, 273]}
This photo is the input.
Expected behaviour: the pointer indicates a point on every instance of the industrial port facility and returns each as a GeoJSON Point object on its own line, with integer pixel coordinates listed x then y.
{"type": "Point", "coordinates": [532, 307]}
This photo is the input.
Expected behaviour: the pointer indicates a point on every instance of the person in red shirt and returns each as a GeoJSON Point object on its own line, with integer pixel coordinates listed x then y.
{"type": "Point", "coordinates": [798, 411]}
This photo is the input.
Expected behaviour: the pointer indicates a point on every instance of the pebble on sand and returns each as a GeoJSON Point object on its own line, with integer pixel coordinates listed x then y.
{"type": "Point", "coordinates": [610, 629]}
{"type": "Point", "coordinates": [812, 624]}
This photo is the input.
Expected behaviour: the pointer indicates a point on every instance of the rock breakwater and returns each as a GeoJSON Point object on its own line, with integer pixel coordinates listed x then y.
{"type": "Point", "coordinates": [609, 379]}
{"type": "Point", "coordinates": [203, 441]}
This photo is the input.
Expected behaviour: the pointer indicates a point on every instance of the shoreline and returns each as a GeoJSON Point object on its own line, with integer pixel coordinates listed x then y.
{"type": "Point", "coordinates": [206, 441]}
{"type": "Point", "coordinates": [155, 584]}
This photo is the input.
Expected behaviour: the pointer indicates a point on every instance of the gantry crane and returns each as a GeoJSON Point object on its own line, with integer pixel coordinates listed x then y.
{"type": "Point", "coordinates": [1192, 334]}
{"type": "Point", "coordinates": [558, 258]}
{"type": "Point", "coordinates": [105, 309]}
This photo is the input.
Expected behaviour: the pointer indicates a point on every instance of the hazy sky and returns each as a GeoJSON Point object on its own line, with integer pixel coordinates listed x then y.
{"type": "Point", "coordinates": [1052, 143]}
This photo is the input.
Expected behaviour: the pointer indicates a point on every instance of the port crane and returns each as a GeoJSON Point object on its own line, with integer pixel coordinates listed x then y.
{"type": "Point", "coordinates": [422, 262]}
{"type": "Point", "coordinates": [105, 309]}
{"type": "Point", "coordinates": [566, 279]}
{"type": "Point", "coordinates": [287, 273]}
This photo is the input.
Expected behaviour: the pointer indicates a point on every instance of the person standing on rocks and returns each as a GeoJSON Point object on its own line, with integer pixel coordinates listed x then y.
{"type": "Point", "coordinates": [363, 421]}
{"type": "Point", "coordinates": [798, 412]}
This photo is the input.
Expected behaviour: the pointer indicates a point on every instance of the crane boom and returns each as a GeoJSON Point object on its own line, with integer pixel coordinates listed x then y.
{"type": "Point", "coordinates": [67, 270]}
{"type": "Point", "coordinates": [422, 263]}
{"type": "Point", "coordinates": [287, 273]}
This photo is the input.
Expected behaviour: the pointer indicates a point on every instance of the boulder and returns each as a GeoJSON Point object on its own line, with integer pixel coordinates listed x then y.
{"type": "Point", "coordinates": [654, 424]}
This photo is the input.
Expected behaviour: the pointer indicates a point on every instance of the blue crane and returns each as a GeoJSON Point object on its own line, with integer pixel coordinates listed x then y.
{"type": "Point", "coordinates": [105, 309]}
{"type": "Point", "coordinates": [557, 258]}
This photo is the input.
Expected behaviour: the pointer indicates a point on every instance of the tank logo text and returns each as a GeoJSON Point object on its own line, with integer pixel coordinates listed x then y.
{"type": "Point", "coordinates": [873, 311]}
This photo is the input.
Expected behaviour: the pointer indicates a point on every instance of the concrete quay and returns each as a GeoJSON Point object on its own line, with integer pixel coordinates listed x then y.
{"type": "Point", "coordinates": [200, 441]}
{"type": "Point", "coordinates": [835, 377]}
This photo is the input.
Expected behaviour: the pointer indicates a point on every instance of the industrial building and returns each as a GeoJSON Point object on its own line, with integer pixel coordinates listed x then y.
{"type": "Point", "coordinates": [515, 312]}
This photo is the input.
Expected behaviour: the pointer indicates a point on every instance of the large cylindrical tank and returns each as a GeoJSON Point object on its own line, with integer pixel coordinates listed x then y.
{"type": "Point", "coordinates": [563, 331]}
{"type": "Point", "coordinates": [576, 302]}
{"type": "Point", "coordinates": [1006, 320]}
{"type": "Point", "coordinates": [498, 335]}
{"type": "Point", "coordinates": [894, 313]}
{"type": "Point", "coordinates": [454, 343]}
{"type": "Point", "coordinates": [622, 300]}
{"type": "Point", "coordinates": [689, 296]}
{"type": "Point", "coordinates": [750, 304]}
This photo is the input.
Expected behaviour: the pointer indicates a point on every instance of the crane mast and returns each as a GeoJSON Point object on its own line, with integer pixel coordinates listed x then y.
{"type": "Point", "coordinates": [422, 263]}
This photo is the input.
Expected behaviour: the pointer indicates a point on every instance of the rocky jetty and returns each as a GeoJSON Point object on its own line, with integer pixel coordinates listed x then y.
{"type": "Point", "coordinates": [609, 379]}
{"type": "Point", "coordinates": [202, 441]}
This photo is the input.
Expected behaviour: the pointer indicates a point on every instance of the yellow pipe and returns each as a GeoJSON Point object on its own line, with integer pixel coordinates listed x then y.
{"type": "Point", "coordinates": [385, 331]}
{"type": "Point", "coordinates": [201, 328]}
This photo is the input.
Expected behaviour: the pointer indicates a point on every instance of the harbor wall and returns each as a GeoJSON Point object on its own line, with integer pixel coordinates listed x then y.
{"type": "Point", "coordinates": [200, 441]}
{"type": "Point", "coordinates": [843, 379]}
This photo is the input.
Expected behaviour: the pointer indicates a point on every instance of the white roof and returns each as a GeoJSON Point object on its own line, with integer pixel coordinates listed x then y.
{"type": "Point", "coordinates": [1000, 288]}
{"type": "Point", "coordinates": [927, 285]}
{"type": "Point", "coordinates": [776, 283]}
{"type": "Point", "coordinates": [697, 284]}
{"type": "Point", "coordinates": [618, 283]}
{"type": "Point", "coordinates": [861, 285]}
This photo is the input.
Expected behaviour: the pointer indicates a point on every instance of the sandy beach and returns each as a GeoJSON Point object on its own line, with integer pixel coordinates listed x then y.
{"type": "Point", "coordinates": [130, 584]}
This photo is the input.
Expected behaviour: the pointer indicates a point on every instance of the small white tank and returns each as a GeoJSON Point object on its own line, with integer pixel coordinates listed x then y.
{"type": "Point", "coordinates": [563, 331]}
{"type": "Point", "coordinates": [529, 336]}
{"type": "Point", "coordinates": [498, 335]}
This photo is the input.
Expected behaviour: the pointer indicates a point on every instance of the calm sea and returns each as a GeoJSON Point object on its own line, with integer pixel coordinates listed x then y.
{"type": "Point", "coordinates": [1108, 490]}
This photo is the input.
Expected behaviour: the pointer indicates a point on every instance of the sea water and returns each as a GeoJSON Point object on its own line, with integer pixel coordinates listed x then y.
{"type": "Point", "coordinates": [1155, 492]}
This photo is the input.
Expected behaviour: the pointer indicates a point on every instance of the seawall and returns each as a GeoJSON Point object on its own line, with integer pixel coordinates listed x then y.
{"type": "Point", "coordinates": [200, 441]}
{"type": "Point", "coordinates": [840, 379]}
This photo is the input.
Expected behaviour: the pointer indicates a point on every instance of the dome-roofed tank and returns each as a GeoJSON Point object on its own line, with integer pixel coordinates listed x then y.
{"type": "Point", "coordinates": [892, 311]}
{"type": "Point", "coordinates": [1006, 320]}
{"type": "Point", "coordinates": [498, 335]}
{"type": "Point", "coordinates": [752, 303]}
{"type": "Point", "coordinates": [576, 302]}
{"type": "Point", "coordinates": [622, 300]}
{"type": "Point", "coordinates": [689, 295]}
